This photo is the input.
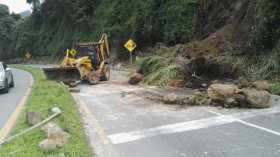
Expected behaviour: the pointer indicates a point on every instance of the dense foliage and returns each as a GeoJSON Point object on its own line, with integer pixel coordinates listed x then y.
{"type": "Point", "coordinates": [7, 22]}
{"type": "Point", "coordinates": [265, 34]}
{"type": "Point", "coordinates": [56, 24]}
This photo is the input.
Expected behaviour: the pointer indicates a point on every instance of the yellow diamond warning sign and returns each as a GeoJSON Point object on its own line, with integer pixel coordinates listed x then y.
{"type": "Point", "coordinates": [28, 55]}
{"type": "Point", "coordinates": [130, 45]}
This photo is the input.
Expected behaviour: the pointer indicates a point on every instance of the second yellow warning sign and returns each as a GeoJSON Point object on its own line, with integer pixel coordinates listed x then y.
{"type": "Point", "coordinates": [130, 45]}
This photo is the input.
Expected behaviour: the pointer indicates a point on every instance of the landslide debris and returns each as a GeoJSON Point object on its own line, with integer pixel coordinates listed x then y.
{"type": "Point", "coordinates": [225, 95]}
{"type": "Point", "coordinates": [231, 40]}
{"type": "Point", "coordinates": [136, 78]}
{"type": "Point", "coordinates": [193, 64]}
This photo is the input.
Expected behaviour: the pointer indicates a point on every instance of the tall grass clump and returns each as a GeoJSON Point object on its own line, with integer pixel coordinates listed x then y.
{"type": "Point", "coordinates": [157, 70]}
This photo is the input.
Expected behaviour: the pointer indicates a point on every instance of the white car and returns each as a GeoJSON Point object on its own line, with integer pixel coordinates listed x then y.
{"type": "Point", "coordinates": [6, 78]}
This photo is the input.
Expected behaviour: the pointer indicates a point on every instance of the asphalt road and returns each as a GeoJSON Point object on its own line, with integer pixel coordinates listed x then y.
{"type": "Point", "coordinates": [121, 123]}
{"type": "Point", "coordinates": [9, 102]}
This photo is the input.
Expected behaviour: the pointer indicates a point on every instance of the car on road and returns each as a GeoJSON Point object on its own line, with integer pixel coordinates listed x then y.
{"type": "Point", "coordinates": [6, 78]}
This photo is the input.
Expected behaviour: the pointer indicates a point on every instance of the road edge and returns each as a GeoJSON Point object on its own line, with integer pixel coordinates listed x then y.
{"type": "Point", "coordinates": [8, 126]}
{"type": "Point", "coordinates": [101, 145]}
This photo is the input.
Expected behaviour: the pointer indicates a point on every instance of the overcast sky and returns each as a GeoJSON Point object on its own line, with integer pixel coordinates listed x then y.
{"type": "Point", "coordinates": [16, 6]}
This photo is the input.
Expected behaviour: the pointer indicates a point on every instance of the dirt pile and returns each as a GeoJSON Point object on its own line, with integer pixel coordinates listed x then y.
{"type": "Point", "coordinates": [230, 39]}
{"type": "Point", "coordinates": [254, 23]}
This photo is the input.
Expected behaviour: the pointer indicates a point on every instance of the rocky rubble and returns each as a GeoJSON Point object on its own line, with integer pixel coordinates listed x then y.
{"type": "Point", "coordinates": [56, 137]}
{"type": "Point", "coordinates": [226, 95]}
{"type": "Point", "coordinates": [261, 85]}
{"type": "Point", "coordinates": [171, 99]}
{"type": "Point", "coordinates": [230, 95]}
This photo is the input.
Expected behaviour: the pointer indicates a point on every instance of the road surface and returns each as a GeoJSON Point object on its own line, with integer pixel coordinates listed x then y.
{"type": "Point", "coordinates": [122, 123]}
{"type": "Point", "coordinates": [9, 102]}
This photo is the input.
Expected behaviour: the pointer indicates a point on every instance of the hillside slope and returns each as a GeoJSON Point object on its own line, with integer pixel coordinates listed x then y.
{"type": "Point", "coordinates": [231, 40]}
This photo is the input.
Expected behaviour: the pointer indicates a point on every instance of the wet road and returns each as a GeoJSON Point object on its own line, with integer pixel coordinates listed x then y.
{"type": "Point", "coordinates": [9, 102]}
{"type": "Point", "coordinates": [121, 123]}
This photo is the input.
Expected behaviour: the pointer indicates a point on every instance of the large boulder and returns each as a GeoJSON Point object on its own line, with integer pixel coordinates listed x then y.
{"type": "Point", "coordinates": [48, 145]}
{"type": "Point", "coordinates": [257, 99]}
{"type": "Point", "coordinates": [55, 133]}
{"type": "Point", "coordinates": [33, 118]}
{"type": "Point", "coordinates": [136, 78]}
{"type": "Point", "coordinates": [222, 92]}
{"type": "Point", "coordinates": [170, 98]}
{"type": "Point", "coordinates": [261, 85]}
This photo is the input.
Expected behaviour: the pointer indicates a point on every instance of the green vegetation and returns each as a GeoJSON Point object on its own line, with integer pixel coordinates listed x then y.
{"type": "Point", "coordinates": [161, 65]}
{"type": "Point", "coordinates": [157, 71]}
{"type": "Point", "coordinates": [45, 95]}
{"type": "Point", "coordinates": [248, 45]}
{"type": "Point", "coordinates": [275, 88]}
{"type": "Point", "coordinates": [7, 23]}
{"type": "Point", "coordinates": [56, 24]}
{"type": "Point", "coordinates": [265, 32]}
{"type": "Point", "coordinates": [250, 28]}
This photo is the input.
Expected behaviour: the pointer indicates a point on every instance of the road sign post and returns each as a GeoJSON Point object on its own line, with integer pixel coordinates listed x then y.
{"type": "Point", "coordinates": [130, 45]}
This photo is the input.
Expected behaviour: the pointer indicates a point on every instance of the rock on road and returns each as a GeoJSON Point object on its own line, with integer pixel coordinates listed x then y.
{"type": "Point", "coordinates": [9, 102]}
{"type": "Point", "coordinates": [122, 123]}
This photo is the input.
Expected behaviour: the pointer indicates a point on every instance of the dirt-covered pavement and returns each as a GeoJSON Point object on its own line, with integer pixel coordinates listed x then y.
{"type": "Point", "coordinates": [120, 121]}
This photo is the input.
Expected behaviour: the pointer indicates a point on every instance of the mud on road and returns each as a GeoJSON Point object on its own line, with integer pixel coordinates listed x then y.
{"type": "Point", "coordinates": [121, 122]}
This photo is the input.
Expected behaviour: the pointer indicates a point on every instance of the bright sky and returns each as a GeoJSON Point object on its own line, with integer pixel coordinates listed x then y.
{"type": "Point", "coordinates": [16, 6]}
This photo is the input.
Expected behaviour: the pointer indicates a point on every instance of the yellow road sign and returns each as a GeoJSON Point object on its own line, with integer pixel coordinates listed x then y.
{"type": "Point", "coordinates": [73, 52]}
{"type": "Point", "coordinates": [130, 45]}
{"type": "Point", "coordinates": [28, 55]}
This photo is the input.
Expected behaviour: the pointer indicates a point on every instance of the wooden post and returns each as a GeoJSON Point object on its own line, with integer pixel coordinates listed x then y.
{"type": "Point", "coordinates": [131, 58]}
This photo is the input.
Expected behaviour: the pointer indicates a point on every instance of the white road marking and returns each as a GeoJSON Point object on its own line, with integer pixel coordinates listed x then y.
{"type": "Point", "coordinates": [220, 119]}
{"type": "Point", "coordinates": [169, 129]}
{"type": "Point", "coordinates": [251, 125]}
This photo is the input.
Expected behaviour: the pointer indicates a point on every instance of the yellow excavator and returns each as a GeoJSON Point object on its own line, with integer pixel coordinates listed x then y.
{"type": "Point", "coordinates": [92, 66]}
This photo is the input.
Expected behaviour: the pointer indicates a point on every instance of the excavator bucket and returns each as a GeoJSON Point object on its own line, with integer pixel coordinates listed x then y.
{"type": "Point", "coordinates": [62, 74]}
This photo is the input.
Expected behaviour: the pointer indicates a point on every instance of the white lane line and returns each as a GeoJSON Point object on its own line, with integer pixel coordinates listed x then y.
{"type": "Point", "coordinates": [250, 124]}
{"type": "Point", "coordinates": [169, 129]}
{"type": "Point", "coordinates": [125, 137]}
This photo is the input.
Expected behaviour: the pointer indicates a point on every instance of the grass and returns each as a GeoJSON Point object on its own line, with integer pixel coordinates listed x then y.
{"type": "Point", "coordinates": [45, 95]}
{"type": "Point", "coordinates": [158, 70]}
{"type": "Point", "coordinates": [275, 88]}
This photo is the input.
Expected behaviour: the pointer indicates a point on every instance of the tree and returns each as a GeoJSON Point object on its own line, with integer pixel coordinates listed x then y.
{"type": "Point", "coordinates": [7, 23]}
